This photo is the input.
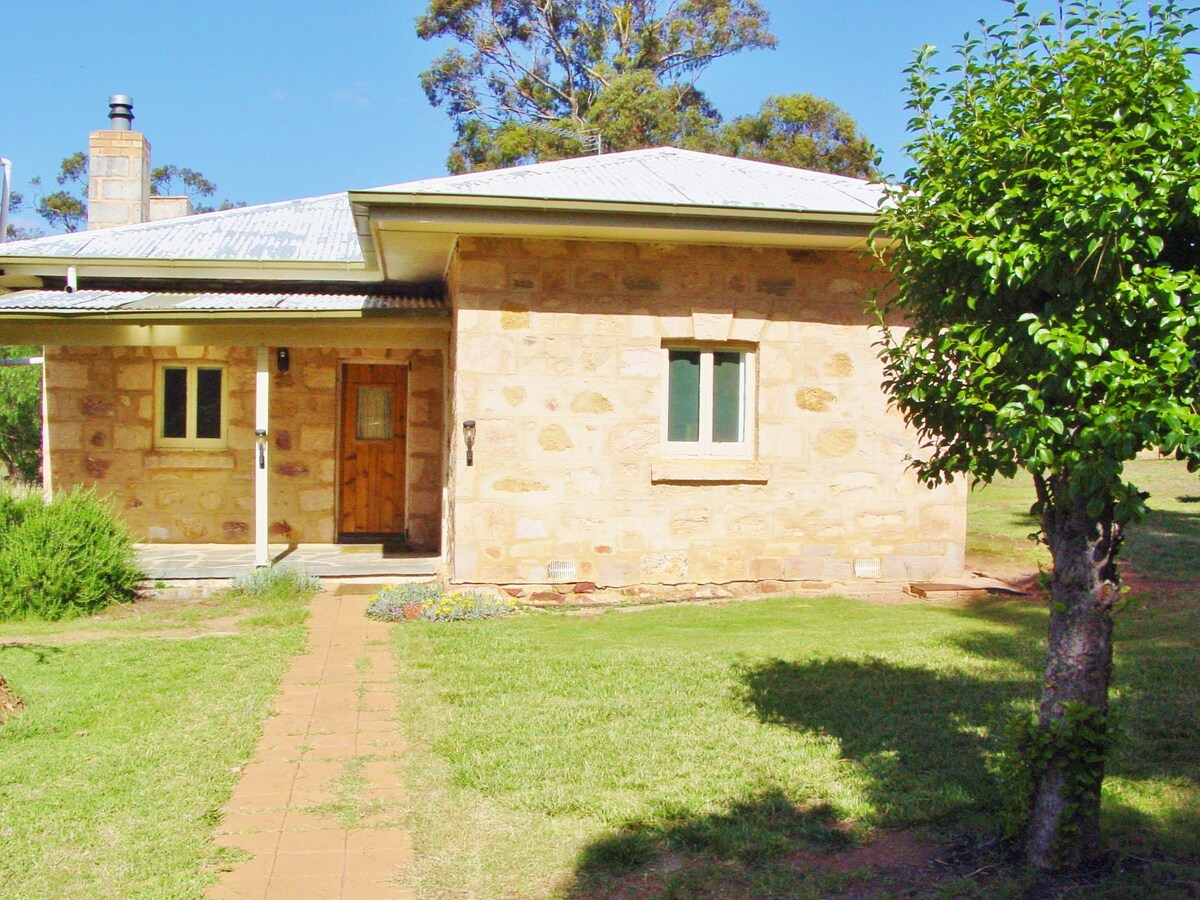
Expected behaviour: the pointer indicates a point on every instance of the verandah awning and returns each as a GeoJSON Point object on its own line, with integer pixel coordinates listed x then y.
{"type": "Point", "coordinates": [106, 302]}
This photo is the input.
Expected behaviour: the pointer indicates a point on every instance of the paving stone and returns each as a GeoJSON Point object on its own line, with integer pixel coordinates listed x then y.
{"type": "Point", "coordinates": [332, 711]}
{"type": "Point", "coordinates": [298, 819]}
{"type": "Point", "coordinates": [326, 842]}
{"type": "Point", "coordinates": [238, 823]}
{"type": "Point", "coordinates": [306, 888]}
{"type": "Point", "coordinates": [260, 843]}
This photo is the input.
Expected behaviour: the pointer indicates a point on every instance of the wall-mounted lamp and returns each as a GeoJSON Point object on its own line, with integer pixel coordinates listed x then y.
{"type": "Point", "coordinates": [469, 440]}
{"type": "Point", "coordinates": [282, 360]}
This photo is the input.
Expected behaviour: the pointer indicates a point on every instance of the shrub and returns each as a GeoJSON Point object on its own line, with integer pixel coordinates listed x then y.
{"type": "Point", "coordinates": [275, 582]}
{"type": "Point", "coordinates": [402, 601]}
{"type": "Point", "coordinates": [427, 601]}
{"type": "Point", "coordinates": [66, 558]}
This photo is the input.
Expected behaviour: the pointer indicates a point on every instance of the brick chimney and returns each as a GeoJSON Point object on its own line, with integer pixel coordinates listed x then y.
{"type": "Point", "coordinates": [118, 170]}
{"type": "Point", "coordinates": [119, 174]}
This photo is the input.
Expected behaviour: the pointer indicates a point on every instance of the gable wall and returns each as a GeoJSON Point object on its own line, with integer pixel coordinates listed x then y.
{"type": "Point", "coordinates": [558, 357]}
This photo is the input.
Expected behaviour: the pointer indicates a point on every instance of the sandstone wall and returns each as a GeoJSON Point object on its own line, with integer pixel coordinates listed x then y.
{"type": "Point", "coordinates": [558, 357]}
{"type": "Point", "coordinates": [101, 420]}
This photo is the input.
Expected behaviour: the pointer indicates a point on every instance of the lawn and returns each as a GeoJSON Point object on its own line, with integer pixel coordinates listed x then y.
{"type": "Point", "coordinates": [136, 722]}
{"type": "Point", "coordinates": [814, 746]}
{"type": "Point", "coordinates": [763, 748]}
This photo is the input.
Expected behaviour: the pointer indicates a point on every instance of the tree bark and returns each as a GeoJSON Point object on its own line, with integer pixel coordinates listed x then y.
{"type": "Point", "coordinates": [1064, 830]}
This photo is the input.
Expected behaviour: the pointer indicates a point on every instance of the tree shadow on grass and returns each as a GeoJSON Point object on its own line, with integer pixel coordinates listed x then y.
{"type": "Point", "coordinates": [917, 742]}
{"type": "Point", "coordinates": [42, 652]}
{"type": "Point", "coordinates": [748, 849]}
{"type": "Point", "coordinates": [1165, 546]}
{"type": "Point", "coordinates": [919, 739]}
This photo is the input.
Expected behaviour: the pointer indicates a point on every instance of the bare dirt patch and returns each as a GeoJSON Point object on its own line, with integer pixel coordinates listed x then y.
{"type": "Point", "coordinates": [223, 626]}
{"type": "Point", "coordinates": [10, 703]}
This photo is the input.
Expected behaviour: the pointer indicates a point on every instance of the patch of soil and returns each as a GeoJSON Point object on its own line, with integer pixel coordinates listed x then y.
{"type": "Point", "coordinates": [891, 864]}
{"type": "Point", "coordinates": [888, 852]}
{"type": "Point", "coordinates": [223, 626]}
{"type": "Point", "coordinates": [10, 703]}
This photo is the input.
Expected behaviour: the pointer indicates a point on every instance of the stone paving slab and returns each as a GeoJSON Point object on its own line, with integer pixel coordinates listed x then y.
{"type": "Point", "coordinates": [330, 748]}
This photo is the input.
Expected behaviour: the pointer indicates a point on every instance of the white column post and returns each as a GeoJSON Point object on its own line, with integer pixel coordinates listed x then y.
{"type": "Point", "coordinates": [262, 384]}
{"type": "Point", "coordinates": [47, 473]}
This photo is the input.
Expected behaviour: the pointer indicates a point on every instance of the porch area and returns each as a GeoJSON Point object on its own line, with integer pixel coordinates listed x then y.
{"type": "Point", "coordinates": [184, 562]}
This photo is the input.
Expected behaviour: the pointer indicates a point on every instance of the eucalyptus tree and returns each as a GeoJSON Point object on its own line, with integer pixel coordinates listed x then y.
{"type": "Point", "coordinates": [535, 80]}
{"type": "Point", "coordinates": [1045, 317]}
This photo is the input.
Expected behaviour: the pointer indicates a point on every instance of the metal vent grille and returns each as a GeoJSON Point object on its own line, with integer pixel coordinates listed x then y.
{"type": "Point", "coordinates": [866, 568]}
{"type": "Point", "coordinates": [562, 570]}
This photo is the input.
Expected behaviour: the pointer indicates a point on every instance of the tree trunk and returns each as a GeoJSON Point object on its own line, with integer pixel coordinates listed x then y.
{"type": "Point", "coordinates": [1064, 821]}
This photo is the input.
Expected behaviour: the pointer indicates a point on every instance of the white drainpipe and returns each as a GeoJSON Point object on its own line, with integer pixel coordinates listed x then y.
{"type": "Point", "coordinates": [6, 165]}
{"type": "Point", "coordinates": [262, 392]}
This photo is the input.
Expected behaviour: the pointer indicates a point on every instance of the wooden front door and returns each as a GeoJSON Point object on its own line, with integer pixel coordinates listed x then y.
{"type": "Point", "coordinates": [374, 415]}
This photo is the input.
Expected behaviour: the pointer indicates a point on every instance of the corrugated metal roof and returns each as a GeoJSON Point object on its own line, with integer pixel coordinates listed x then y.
{"type": "Point", "coordinates": [663, 175]}
{"type": "Point", "coordinates": [85, 302]}
{"type": "Point", "coordinates": [316, 229]}
{"type": "Point", "coordinates": [322, 229]}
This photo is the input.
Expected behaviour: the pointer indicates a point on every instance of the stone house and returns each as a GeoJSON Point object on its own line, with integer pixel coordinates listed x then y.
{"type": "Point", "coordinates": [643, 368]}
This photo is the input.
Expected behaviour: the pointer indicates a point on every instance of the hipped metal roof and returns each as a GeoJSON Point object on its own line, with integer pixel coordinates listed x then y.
{"type": "Point", "coordinates": [316, 229]}
{"type": "Point", "coordinates": [663, 176]}
{"type": "Point", "coordinates": [322, 230]}
{"type": "Point", "coordinates": [143, 303]}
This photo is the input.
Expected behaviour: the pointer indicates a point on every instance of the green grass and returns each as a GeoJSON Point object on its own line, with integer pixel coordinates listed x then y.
{"type": "Point", "coordinates": [1164, 547]}
{"type": "Point", "coordinates": [699, 751]}
{"type": "Point", "coordinates": [112, 779]}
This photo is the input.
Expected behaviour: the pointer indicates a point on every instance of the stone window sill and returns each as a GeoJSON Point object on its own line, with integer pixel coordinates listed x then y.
{"type": "Point", "coordinates": [188, 459]}
{"type": "Point", "coordinates": [700, 471]}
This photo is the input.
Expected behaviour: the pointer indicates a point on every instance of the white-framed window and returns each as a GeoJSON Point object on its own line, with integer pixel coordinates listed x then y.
{"type": "Point", "coordinates": [191, 406]}
{"type": "Point", "coordinates": [708, 400]}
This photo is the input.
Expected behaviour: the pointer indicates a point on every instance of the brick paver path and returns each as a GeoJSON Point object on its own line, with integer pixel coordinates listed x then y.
{"type": "Point", "coordinates": [318, 806]}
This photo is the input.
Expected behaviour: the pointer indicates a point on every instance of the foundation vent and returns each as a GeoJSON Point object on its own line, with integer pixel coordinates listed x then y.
{"type": "Point", "coordinates": [866, 568]}
{"type": "Point", "coordinates": [562, 570]}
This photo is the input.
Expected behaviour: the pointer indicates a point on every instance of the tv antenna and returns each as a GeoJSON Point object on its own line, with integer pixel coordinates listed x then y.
{"type": "Point", "coordinates": [590, 138]}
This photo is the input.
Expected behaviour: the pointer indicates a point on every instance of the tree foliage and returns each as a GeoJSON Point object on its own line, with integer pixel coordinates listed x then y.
{"type": "Point", "coordinates": [14, 232]}
{"type": "Point", "coordinates": [803, 131]}
{"type": "Point", "coordinates": [173, 181]}
{"type": "Point", "coordinates": [1045, 250]}
{"type": "Point", "coordinates": [21, 414]}
{"type": "Point", "coordinates": [526, 75]}
{"type": "Point", "coordinates": [66, 209]}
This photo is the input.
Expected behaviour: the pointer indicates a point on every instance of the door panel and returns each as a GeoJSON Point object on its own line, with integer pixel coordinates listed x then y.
{"type": "Point", "coordinates": [373, 444]}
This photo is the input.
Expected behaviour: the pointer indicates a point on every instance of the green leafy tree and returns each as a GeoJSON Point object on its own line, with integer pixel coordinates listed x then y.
{"type": "Point", "coordinates": [1045, 249]}
{"type": "Point", "coordinates": [526, 75]}
{"type": "Point", "coordinates": [16, 204]}
{"type": "Point", "coordinates": [803, 131]}
{"type": "Point", "coordinates": [173, 181]}
{"type": "Point", "coordinates": [66, 208]}
{"type": "Point", "coordinates": [21, 414]}
{"type": "Point", "coordinates": [533, 80]}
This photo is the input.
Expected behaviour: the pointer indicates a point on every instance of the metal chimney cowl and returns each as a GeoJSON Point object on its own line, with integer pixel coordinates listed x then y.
{"type": "Point", "coordinates": [120, 112]}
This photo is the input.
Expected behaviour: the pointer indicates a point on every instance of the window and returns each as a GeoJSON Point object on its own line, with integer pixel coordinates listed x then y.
{"type": "Point", "coordinates": [707, 401]}
{"type": "Point", "coordinates": [192, 404]}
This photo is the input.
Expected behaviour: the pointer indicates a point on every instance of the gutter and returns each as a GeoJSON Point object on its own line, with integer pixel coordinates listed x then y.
{"type": "Point", "coordinates": [627, 207]}
{"type": "Point", "coordinates": [239, 317]}
{"type": "Point", "coordinates": [6, 165]}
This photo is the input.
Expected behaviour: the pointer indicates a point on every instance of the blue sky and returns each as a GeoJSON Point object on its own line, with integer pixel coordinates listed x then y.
{"type": "Point", "coordinates": [275, 100]}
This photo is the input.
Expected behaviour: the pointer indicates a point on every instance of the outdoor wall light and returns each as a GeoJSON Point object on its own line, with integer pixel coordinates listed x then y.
{"type": "Point", "coordinates": [469, 440]}
{"type": "Point", "coordinates": [282, 360]}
